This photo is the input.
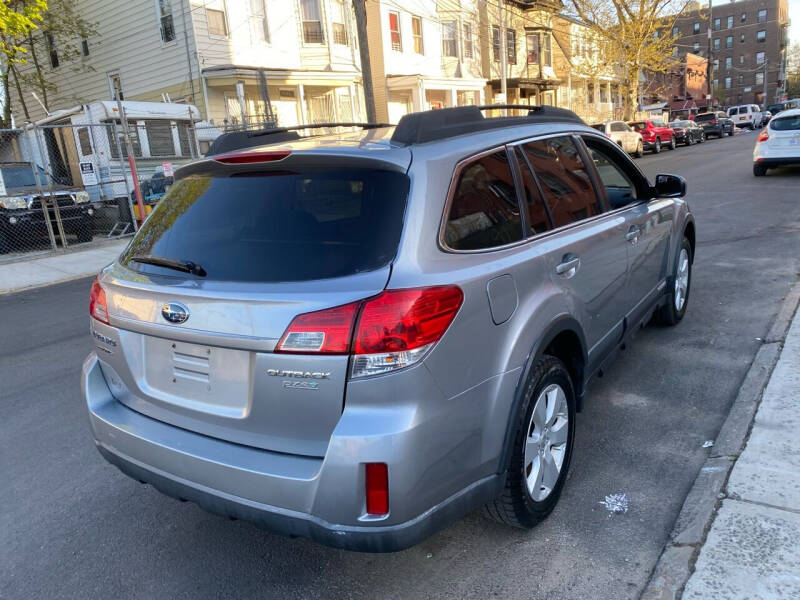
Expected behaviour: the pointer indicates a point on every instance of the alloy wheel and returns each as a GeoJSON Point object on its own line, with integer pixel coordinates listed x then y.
{"type": "Point", "coordinates": [546, 442]}
{"type": "Point", "coordinates": [681, 280]}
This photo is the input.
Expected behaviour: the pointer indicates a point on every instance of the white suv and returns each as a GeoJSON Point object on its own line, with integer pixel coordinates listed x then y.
{"type": "Point", "coordinates": [746, 115]}
{"type": "Point", "coordinates": [623, 135]}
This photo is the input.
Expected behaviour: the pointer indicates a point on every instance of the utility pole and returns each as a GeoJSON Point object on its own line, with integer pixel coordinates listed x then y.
{"type": "Point", "coordinates": [503, 57]}
{"type": "Point", "coordinates": [709, 67]}
{"type": "Point", "coordinates": [360, 8]}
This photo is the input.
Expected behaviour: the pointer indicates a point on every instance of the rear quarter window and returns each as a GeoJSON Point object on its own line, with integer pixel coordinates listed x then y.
{"type": "Point", "coordinates": [785, 123]}
{"type": "Point", "coordinates": [276, 227]}
{"type": "Point", "coordinates": [484, 211]}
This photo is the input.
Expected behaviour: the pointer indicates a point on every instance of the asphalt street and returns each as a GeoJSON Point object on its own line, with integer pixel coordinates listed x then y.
{"type": "Point", "coordinates": [72, 526]}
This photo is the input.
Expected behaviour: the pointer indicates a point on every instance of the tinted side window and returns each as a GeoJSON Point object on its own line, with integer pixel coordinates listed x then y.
{"type": "Point", "coordinates": [618, 127]}
{"type": "Point", "coordinates": [484, 212]}
{"type": "Point", "coordinates": [537, 213]}
{"type": "Point", "coordinates": [733, 111]}
{"type": "Point", "coordinates": [564, 179]}
{"type": "Point", "coordinates": [619, 186]}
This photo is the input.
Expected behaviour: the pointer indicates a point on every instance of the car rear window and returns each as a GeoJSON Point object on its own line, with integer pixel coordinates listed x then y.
{"type": "Point", "coordinates": [274, 227]}
{"type": "Point", "coordinates": [705, 117]}
{"type": "Point", "coordinates": [785, 123]}
{"type": "Point", "coordinates": [599, 127]}
{"type": "Point", "coordinates": [638, 125]}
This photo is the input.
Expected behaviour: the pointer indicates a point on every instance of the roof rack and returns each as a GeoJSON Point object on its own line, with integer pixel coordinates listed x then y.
{"type": "Point", "coordinates": [237, 140]}
{"type": "Point", "coordinates": [431, 125]}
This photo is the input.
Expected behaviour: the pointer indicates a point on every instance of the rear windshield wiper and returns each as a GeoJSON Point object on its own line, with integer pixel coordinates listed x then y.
{"type": "Point", "coordinates": [186, 266]}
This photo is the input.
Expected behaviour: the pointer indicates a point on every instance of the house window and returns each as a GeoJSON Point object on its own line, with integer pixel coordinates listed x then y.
{"type": "Point", "coordinates": [52, 50]}
{"type": "Point", "coordinates": [729, 41]}
{"type": "Point", "coordinates": [449, 45]}
{"type": "Point", "coordinates": [547, 54]}
{"type": "Point", "coordinates": [730, 22]}
{"type": "Point", "coordinates": [496, 45]}
{"type": "Point", "coordinates": [115, 85]}
{"type": "Point", "coordinates": [760, 56]}
{"type": "Point", "coordinates": [696, 47]}
{"type": "Point", "coordinates": [762, 15]}
{"type": "Point", "coordinates": [727, 83]}
{"type": "Point", "coordinates": [312, 22]}
{"type": "Point", "coordinates": [728, 63]}
{"type": "Point", "coordinates": [511, 46]}
{"type": "Point", "coordinates": [532, 41]}
{"type": "Point", "coordinates": [696, 27]}
{"type": "Point", "coordinates": [741, 38]}
{"type": "Point", "coordinates": [741, 79]}
{"type": "Point", "coordinates": [761, 36]}
{"type": "Point", "coordinates": [675, 31]}
{"type": "Point", "coordinates": [589, 93]}
{"type": "Point", "coordinates": [85, 47]}
{"type": "Point", "coordinates": [259, 31]}
{"type": "Point", "coordinates": [715, 82]}
{"type": "Point", "coordinates": [467, 40]}
{"type": "Point", "coordinates": [717, 23]}
{"type": "Point", "coordinates": [603, 93]}
{"type": "Point", "coordinates": [338, 23]}
{"type": "Point", "coordinates": [744, 17]}
{"type": "Point", "coordinates": [759, 79]}
{"type": "Point", "coordinates": [416, 34]}
{"type": "Point", "coordinates": [394, 32]}
{"type": "Point", "coordinates": [165, 23]}
{"type": "Point", "coordinates": [216, 22]}
{"type": "Point", "coordinates": [716, 43]}
{"type": "Point", "coordinates": [741, 59]}
{"type": "Point", "coordinates": [716, 64]}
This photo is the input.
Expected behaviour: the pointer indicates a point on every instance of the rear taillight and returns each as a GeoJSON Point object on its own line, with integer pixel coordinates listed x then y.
{"type": "Point", "coordinates": [713, 121]}
{"type": "Point", "coordinates": [98, 308]}
{"type": "Point", "coordinates": [763, 136]}
{"type": "Point", "coordinates": [377, 488]}
{"type": "Point", "coordinates": [394, 329]}
{"type": "Point", "coordinates": [322, 332]}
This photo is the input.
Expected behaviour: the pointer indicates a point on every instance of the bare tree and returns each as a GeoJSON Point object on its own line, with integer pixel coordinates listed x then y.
{"type": "Point", "coordinates": [637, 37]}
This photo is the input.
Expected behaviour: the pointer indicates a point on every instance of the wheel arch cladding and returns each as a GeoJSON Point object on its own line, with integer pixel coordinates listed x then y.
{"type": "Point", "coordinates": [564, 339]}
{"type": "Point", "coordinates": [689, 234]}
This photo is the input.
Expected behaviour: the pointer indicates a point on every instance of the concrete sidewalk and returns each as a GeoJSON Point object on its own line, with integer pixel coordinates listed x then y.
{"type": "Point", "coordinates": [56, 268]}
{"type": "Point", "coordinates": [752, 549]}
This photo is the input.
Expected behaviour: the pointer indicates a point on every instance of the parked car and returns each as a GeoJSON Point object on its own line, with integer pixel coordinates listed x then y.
{"type": "Point", "coordinates": [688, 132]}
{"type": "Point", "coordinates": [779, 143]}
{"type": "Point", "coordinates": [414, 339]}
{"type": "Point", "coordinates": [715, 124]}
{"type": "Point", "coordinates": [655, 134]}
{"type": "Point", "coordinates": [783, 105]}
{"type": "Point", "coordinates": [22, 218]}
{"type": "Point", "coordinates": [745, 115]}
{"type": "Point", "coordinates": [622, 134]}
{"type": "Point", "coordinates": [766, 116]}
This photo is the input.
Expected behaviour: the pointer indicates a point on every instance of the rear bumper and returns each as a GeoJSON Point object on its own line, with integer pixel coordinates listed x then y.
{"type": "Point", "coordinates": [777, 162]}
{"type": "Point", "coordinates": [288, 494]}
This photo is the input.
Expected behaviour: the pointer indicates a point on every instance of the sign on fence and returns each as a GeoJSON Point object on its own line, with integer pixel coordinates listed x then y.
{"type": "Point", "coordinates": [88, 174]}
{"type": "Point", "coordinates": [168, 170]}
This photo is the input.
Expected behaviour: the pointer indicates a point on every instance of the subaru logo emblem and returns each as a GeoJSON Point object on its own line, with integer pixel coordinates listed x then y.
{"type": "Point", "coordinates": [175, 312]}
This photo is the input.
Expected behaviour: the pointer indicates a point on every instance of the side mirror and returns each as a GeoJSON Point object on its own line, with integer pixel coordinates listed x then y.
{"type": "Point", "coordinates": [670, 186]}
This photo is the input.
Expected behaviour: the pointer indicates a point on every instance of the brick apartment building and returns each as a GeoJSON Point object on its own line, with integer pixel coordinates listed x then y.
{"type": "Point", "coordinates": [744, 36]}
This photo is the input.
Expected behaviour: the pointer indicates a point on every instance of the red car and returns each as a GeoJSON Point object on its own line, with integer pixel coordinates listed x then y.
{"type": "Point", "coordinates": [655, 134]}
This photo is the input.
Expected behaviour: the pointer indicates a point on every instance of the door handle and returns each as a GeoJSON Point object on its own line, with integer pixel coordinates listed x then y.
{"type": "Point", "coordinates": [633, 235]}
{"type": "Point", "coordinates": [569, 266]}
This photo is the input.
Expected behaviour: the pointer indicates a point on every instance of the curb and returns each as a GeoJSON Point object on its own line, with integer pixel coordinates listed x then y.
{"type": "Point", "coordinates": [677, 560]}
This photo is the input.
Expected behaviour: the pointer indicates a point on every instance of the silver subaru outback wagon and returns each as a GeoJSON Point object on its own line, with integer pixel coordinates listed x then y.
{"type": "Point", "coordinates": [359, 338]}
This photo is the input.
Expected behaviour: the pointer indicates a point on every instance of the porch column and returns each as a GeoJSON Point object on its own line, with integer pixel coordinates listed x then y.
{"type": "Point", "coordinates": [453, 97]}
{"type": "Point", "coordinates": [353, 103]}
{"type": "Point", "coordinates": [242, 104]}
{"type": "Point", "coordinates": [301, 96]}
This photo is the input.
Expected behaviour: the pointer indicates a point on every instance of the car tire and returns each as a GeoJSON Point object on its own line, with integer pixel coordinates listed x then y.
{"type": "Point", "coordinates": [679, 287]}
{"type": "Point", "coordinates": [639, 150]}
{"type": "Point", "coordinates": [702, 137]}
{"type": "Point", "coordinates": [759, 170]}
{"type": "Point", "coordinates": [517, 506]}
{"type": "Point", "coordinates": [657, 146]}
{"type": "Point", "coordinates": [730, 133]}
{"type": "Point", "coordinates": [672, 144]}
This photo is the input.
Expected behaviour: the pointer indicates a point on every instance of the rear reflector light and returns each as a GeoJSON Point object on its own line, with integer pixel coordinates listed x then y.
{"type": "Point", "coordinates": [259, 156]}
{"type": "Point", "coordinates": [713, 121]}
{"type": "Point", "coordinates": [763, 136]}
{"type": "Point", "coordinates": [322, 332]}
{"type": "Point", "coordinates": [394, 329]}
{"type": "Point", "coordinates": [98, 308]}
{"type": "Point", "coordinates": [377, 488]}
